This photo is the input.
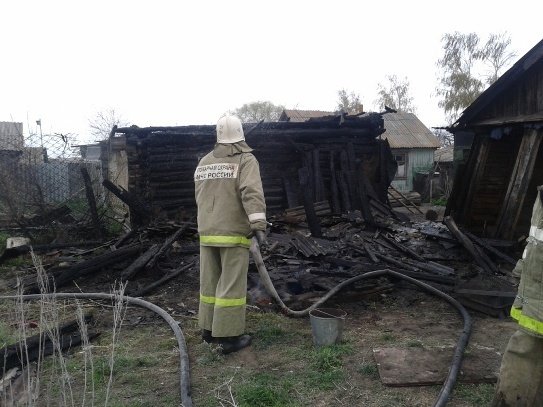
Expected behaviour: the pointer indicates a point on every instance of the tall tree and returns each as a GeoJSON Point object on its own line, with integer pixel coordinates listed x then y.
{"type": "Point", "coordinates": [497, 55]}
{"type": "Point", "coordinates": [260, 110]}
{"type": "Point", "coordinates": [395, 94]}
{"type": "Point", "coordinates": [102, 123]}
{"type": "Point", "coordinates": [349, 102]}
{"type": "Point", "coordinates": [461, 80]}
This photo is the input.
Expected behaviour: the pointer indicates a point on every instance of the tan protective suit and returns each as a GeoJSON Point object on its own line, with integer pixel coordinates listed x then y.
{"type": "Point", "coordinates": [521, 372]}
{"type": "Point", "coordinates": [231, 206]}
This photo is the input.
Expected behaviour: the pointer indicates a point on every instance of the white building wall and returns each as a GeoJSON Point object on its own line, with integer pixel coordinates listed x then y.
{"type": "Point", "coordinates": [417, 160]}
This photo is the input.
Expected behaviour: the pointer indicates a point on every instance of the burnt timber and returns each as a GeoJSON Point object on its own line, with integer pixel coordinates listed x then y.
{"type": "Point", "coordinates": [495, 186]}
{"type": "Point", "coordinates": [338, 153]}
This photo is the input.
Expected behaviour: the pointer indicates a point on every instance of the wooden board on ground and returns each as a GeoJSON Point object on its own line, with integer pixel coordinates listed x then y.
{"type": "Point", "coordinates": [401, 367]}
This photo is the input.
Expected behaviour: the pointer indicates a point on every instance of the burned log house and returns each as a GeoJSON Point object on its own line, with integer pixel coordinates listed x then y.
{"type": "Point", "coordinates": [338, 159]}
{"type": "Point", "coordinates": [495, 188]}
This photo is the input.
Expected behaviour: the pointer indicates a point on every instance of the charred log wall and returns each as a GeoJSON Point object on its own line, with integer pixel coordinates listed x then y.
{"type": "Point", "coordinates": [161, 161]}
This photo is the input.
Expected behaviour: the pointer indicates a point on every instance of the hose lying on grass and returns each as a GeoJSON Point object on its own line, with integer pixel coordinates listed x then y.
{"type": "Point", "coordinates": [449, 383]}
{"type": "Point", "coordinates": [255, 251]}
{"type": "Point", "coordinates": [184, 369]}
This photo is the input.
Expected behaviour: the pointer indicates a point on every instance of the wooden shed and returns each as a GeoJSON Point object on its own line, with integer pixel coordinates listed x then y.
{"type": "Point", "coordinates": [495, 187]}
{"type": "Point", "coordinates": [157, 163]}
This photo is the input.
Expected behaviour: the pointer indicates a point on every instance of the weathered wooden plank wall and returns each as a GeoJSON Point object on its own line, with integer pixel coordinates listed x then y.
{"type": "Point", "coordinates": [481, 199]}
{"type": "Point", "coordinates": [524, 98]}
{"type": "Point", "coordinates": [490, 184]}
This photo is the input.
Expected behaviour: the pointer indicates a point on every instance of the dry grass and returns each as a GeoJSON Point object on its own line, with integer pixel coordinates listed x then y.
{"type": "Point", "coordinates": [48, 381]}
{"type": "Point", "coordinates": [281, 368]}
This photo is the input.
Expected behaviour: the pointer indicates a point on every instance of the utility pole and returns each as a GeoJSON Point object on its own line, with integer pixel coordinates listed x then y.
{"type": "Point", "coordinates": [38, 122]}
{"type": "Point", "coordinates": [44, 151]}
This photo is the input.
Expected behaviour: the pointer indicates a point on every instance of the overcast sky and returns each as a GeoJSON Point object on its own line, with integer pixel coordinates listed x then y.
{"type": "Point", "coordinates": [180, 62]}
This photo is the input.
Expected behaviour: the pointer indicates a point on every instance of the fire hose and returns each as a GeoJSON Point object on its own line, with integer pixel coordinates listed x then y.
{"type": "Point", "coordinates": [184, 378]}
{"type": "Point", "coordinates": [184, 375]}
{"type": "Point", "coordinates": [461, 344]}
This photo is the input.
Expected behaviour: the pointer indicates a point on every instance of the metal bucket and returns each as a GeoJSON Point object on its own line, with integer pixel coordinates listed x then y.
{"type": "Point", "coordinates": [327, 325]}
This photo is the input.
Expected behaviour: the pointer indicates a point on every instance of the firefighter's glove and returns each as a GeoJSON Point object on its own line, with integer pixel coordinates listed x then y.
{"type": "Point", "coordinates": [261, 237]}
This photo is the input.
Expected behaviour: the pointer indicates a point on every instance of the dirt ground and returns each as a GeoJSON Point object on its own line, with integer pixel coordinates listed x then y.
{"type": "Point", "coordinates": [284, 356]}
{"type": "Point", "coordinates": [281, 368]}
{"type": "Point", "coordinates": [403, 318]}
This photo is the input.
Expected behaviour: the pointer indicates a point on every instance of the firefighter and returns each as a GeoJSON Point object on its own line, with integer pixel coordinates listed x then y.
{"type": "Point", "coordinates": [231, 209]}
{"type": "Point", "coordinates": [521, 371]}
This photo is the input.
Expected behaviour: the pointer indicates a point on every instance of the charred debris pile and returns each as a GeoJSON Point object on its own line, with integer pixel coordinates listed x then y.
{"type": "Point", "coordinates": [301, 265]}
{"type": "Point", "coordinates": [326, 184]}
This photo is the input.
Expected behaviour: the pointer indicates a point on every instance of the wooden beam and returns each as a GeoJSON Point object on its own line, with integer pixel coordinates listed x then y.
{"type": "Point", "coordinates": [166, 246]}
{"type": "Point", "coordinates": [479, 256]}
{"type": "Point", "coordinates": [407, 200]}
{"type": "Point", "coordinates": [39, 345]}
{"type": "Point", "coordinates": [317, 176]}
{"type": "Point", "coordinates": [344, 191]}
{"type": "Point", "coordinates": [139, 263]}
{"type": "Point", "coordinates": [310, 214]}
{"type": "Point", "coordinates": [404, 249]}
{"type": "Point", "coordinates": [334, 189]}
{"type": "Point", "coordinates": [491, 249]}
{"type": "Point", "coordinates": [291, 193]}
{"type": "Point", "coordinates": [139, 210]}
{"type": "Point", "coordinates": [365, 207]}
{"type": "Point", "coordinates": [60, 276]}
{"type": "Point", "coordinates": [174, 273]}
{"type": "Point", "coordinates": [475, 179]}
{"type": "Point", "coordinates": [519, 183]}
{"type": "Point", "coordinates": [383, 171]}
{"type": "Point", "coordinates": [91, 200]}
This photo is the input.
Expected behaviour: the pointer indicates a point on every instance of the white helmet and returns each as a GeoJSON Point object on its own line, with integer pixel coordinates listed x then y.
{"type": "Point", "coordinates": [229, 130]}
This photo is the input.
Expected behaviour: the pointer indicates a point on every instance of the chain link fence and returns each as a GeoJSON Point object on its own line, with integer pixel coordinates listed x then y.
{"type": "Point", "coordinates": [43, 184]}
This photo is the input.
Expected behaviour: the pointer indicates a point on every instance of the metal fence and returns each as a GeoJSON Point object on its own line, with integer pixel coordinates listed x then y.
{"type": "Point", "coordinates": [41, 179]}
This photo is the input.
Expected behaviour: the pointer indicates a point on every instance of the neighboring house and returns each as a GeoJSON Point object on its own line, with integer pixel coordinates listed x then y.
{"type": "Point", "coordinates": [444, 161]}
{"type": "Point", "coordinates": [12, 145]}
{"type": "Point", "coordinates": [495, 188]}
{"type": "Point", "coordinates": [11, 150]}
{"type": "Point", "coordinates": [90, 152]}
{"type": "Point", "coordinates": [411, 142]}
{"type": "Point", "coordinates": [444, 156]}
{"type": "Point", "coordinates": [436, 181]}
{"type": "Point", "coordinates": [30, 177]}
{"type": "Point", "coordinates": [11, 136]}
{"type": "Point", "coordinates": [412, 145]}
{"type": "Point", "coordinates": [443, 166]}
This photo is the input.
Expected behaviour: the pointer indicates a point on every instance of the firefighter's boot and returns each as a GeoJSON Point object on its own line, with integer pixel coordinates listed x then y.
{"type": "Point", "coordinates": [234, 343]}
{"type": "Point", "coordinates": [206, 336]}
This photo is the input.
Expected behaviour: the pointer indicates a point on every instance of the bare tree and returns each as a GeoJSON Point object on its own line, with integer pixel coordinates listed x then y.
{"type": "Point", "coordinates": [349, 102]}
{"type": "Point", "coordinates": [260, 110]}
{"type": "Point", "coordinates": [395, 94]}
{"type": "Point", "coordinates": [459, 83]}
{"type": "Point", "coordinates": [497, 55]}
{"type": "Point", "coordinates": [445, 138]}
{"type": "Point", "coordinates": [103, 122]}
